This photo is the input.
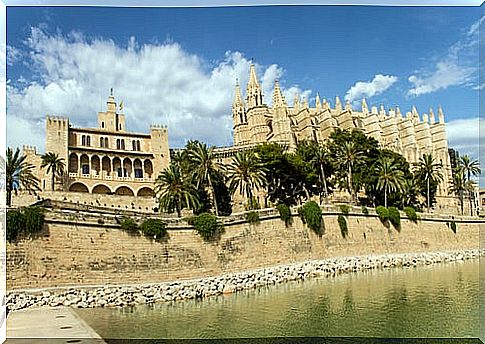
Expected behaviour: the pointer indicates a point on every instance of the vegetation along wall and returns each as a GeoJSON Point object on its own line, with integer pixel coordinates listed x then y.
{"type": "Point", "coordinates": [73, 251]}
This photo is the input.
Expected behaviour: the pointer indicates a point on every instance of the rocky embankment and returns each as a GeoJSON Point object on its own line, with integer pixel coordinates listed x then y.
{"type": "Point", "coordinates": [120, 296]}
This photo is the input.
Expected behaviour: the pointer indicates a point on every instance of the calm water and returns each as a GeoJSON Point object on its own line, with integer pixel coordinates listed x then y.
{"type": "Point", "coordinates": [433, 301]}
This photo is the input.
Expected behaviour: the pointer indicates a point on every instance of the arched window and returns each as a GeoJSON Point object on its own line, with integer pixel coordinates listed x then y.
{"type": "Point", "coordinates": [123, 144]}
{"type": "Point", "coordinates": [106, 142]}
{"type": "Point", "coordinates": [138, 148]}
{"type": "Point", "coordinates": [101, 142]}
{"type": "Point", "coordinates": [118, 144]}
{"type": "Point", "coordinates": [88, 140]}
{"type": "Point", "coordinates": [102, 124]}
{"type": "Point", "coordinates": [134, 145]}
{"type": "Point", "coordinates": [83, 140]}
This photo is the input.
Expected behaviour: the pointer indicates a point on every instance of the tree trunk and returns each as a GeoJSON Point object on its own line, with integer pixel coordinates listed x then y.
{"type": "Point", "coordinates": [53, 179]}
{"type": "Point", "coordinates": [324, 181]}
{"type": "Point", "coordinates": [427, 193]}
{"type": "Point", "coordinates": [385, 195]}
{"type": "Point", "coordinates": [351, 190]}
{"type": "Point", "coordinates": [9, 197]}
{"type": "Point", "coordinates": [214, 196]}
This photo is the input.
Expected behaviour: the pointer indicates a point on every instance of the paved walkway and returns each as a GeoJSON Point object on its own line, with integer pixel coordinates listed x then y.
{"type": "Point", "coordinates": [49, 325]}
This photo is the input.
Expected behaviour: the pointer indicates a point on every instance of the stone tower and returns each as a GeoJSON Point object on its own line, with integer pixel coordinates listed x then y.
{"type": "Point", "coordinates": [239, 119]}
{"type": "Point", "coordinates": [111, 120]}
{"type": "Point", "coordinates": [257, 112]}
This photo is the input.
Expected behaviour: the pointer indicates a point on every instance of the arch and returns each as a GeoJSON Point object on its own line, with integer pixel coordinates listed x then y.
{"type": "Point", "coordinates": [106, 165]}
{"type": "Point", "coordinates": [95, 164]}
{"type": "Point", "coordinates": [117, 169]}
{"type": "Point", "coordinates": [138, 168]}
{"type": "Point", "coordinates": [78, 187]}
{"type": "Point", "coordinates": [145, 191]}
{"type": "Point", "coordinates": [84, 164]}
{"type": "Point", "coordinates": [124, 191]}
{"type": "Point", "coordinates": [101, 189]}
{"type": "Point", "coordinates": [73, 163]}
{"type": "Point", "coordinates": [148, 167]}
{"type": "Point", "coordinates": [127, 167]}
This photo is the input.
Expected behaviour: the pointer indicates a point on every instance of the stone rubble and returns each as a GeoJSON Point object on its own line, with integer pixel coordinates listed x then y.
{"type": "Point", "coordinates": [121, 296]}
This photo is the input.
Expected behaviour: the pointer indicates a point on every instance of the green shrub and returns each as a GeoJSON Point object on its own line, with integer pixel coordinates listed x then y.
{"type": "Point", "coordinates": [24, 223]}
{"type": "Point", "coordinates": [365, 211]}
{"type": "Point", "coordinates": [129, 225]}
{"type": "Point", "coordinates": [345, 209]}
{"type": "Point", "coordinates": [342, 222]}
{"type": "Point", "coordinates": [311, 215]}
{"type": "Point", "coordinates": [252, 217]}
{"type": "Point", "coordinates": [207, 226]}
{"type": "Point", "coordinates": [154, 228]}
{"type": "Point", "coordinates": [285, 213]}
{"type": "Point", "coordinates": [383, 214]}
{"type": "Point", "coordinates": [395, 217]}
{"type": "Point", "coordinates": [411, 214]}
{"type": "Point", "coordinates": [453, 226]}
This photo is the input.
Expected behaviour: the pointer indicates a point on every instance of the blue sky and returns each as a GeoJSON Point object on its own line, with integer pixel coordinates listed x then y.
{"type": "Point", "coordinates": [177, 66]}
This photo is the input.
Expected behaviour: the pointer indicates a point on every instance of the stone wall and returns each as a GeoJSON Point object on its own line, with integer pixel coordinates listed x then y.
{"type": "Point", "coordinates": [73, 251]}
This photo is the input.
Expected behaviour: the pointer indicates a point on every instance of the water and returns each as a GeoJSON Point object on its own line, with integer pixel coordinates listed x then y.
{"type": "Point", "coordinates": [431, 301]}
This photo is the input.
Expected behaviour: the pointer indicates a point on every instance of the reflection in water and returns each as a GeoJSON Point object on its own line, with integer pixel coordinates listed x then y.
{"type": "Point", "coordinates": [431, 301]}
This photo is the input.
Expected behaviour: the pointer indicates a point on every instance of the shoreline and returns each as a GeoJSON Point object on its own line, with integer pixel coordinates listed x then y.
{"type": "Point", "coordinates": [122, 295]}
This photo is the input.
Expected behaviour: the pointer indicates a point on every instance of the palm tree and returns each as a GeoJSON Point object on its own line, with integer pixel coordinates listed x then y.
{"type": "Point", "coordinates": [204, 167]}
{"type": "Point", "coordinates": [458, 185]}
{"type": "Point", "coordinates": [55, 165]}
{"type": "Point", "coordinates": [390, 177]}
{"type": "Point", "coordinates": [175, 191]}
{"type": "Point", "coordinates": [320, 160]}
{"type": "Point", "coordinates": [470, 167]}
{"type": "Point", "coordinates": [246, 173]}
{"type": "Point", "coordinates": [19, 174]}
{"type": "Point", "coordinates": [348, 156]}
{"type": "Point", "coordinates": [428, 171]}
{"type": "Point", "coordinates": [409, 192]}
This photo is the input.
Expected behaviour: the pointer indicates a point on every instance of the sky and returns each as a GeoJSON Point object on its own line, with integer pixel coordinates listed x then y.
{"type": "Point", "coordinates": [178, 66]}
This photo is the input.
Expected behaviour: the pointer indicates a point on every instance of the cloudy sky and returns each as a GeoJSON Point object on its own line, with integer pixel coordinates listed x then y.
{"type": "Point", "coordinates": [178, 66]}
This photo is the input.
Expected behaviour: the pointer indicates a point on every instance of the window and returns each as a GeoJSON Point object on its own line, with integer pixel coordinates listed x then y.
{"type": "Point", "coordinates": [83, 140]}
{"type": "Point", "coordinates": [102, 124]}
{"type": "Point", "coordinates": [138, 145]}
{"type": "Point", "coordinates": [134, 145]}
{"type": "Point", "coordinates": [88, 141]}
{"type": "Point", "coordinates": [118, 144]}
{"type": "Point", "coordinates": [119, 172]}
{"type": "Point", "coordinates": [101, 142]}
{"type": "Point", "coordinates": [85, 169]}
{"type": "Point", "coordinates": [123, 144]}
{"type": "Point", "coordinates": [138, 173]}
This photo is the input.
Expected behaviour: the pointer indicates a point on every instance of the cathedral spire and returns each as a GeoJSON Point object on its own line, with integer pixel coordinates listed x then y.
{"type": "Point", "coordinates": [254, 96]}
{"type": "Point", "coordinates": [348, 106]}
{"type": "Point", "coordinates": [338, 104]}
{"type": "Point", "coordinates": [365, 108]}
{"type": "Point", "coordinates": [441, 116]}
{"type": "Point", "coordinates": [318, 104]}
{"type": "Point", "coordinates": [278, 99]}
{"type": "Point", "coordinates": [431, 116]}
{"type": "Point", "coordinates": [237, 96]}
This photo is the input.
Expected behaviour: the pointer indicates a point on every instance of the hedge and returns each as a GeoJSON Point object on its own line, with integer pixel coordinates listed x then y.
{"type": "Point", "coordinates": [206, 225]}
{"type": "Point", "coordinates": [342, 222]}
{"type": "Point", "coordinates": [24, 223]}
{"type": "Point", "coordinates": [383, 214]}
{"type": "Point", "coordinates": [285, 213]}
{"type": "Point", "coordinates": [395, 217]}
{"type": "Point", "coordinates": [154, 228]}
{"type": "Point", "coordinates": [411, 214]}
{"type": "Point", "coordinates": [311, 215]}
{"type": "Point", "coordinates": [252, 217]}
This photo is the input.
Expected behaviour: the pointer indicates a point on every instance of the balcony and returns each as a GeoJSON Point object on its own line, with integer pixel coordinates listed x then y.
{"type": "Point", "coordinates": [105, 176]}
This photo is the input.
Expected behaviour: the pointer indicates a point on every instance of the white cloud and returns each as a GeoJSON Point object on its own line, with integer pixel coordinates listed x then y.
{"type": "Point", "coordinates": [368, 89]}
{"type": "Point", "coordinates": [458, 67]}
{"type": "Point", "coordinates": [158, 83]}
{"type": "Point", "coordinates": [465, 135]}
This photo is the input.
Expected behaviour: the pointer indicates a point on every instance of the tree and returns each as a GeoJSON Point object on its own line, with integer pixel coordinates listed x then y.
{"type": "Point", "coordinates": [458, 185]}
{"type": "Point", "coordinates": [409, 194]}
{"type": "Point", "coordinates": [55, 166]}
{"type": "Point", "coordinates": [470, 167]}
{"type": "Point", "coordinates": [204, 167]}
{"type": "Point", "coordinates": [428, 171]}
{"type": "Point", "coordinates": [348, 156]}
{"type": "Point", "coordinates": [246, 173]}
{"type": "Point", "coordinates": [390, 178]}
{"type": "Point", "coordinates": [18, 174]}
{"type": "Point", "coordinates": [175, 190]}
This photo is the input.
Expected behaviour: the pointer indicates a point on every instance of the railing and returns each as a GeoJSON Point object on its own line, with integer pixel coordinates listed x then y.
{"type": "Point", "coordinates": [75, 175]}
